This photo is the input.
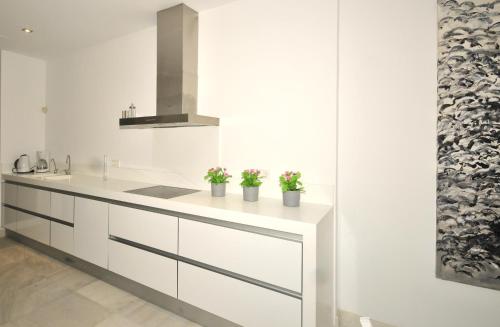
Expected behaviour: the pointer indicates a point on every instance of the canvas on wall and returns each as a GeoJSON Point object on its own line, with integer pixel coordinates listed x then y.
{"type": "Point", "coordinates": [468, 174]}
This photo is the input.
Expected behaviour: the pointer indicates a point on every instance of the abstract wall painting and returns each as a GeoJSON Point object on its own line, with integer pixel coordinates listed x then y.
{"type": "Point", "coordinates": [468, 174]}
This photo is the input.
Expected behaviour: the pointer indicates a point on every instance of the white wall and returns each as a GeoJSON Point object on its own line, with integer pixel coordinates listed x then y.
{"type": "Point", "coordinates": [87, 91]}
{"type": "Point", "coordinates": [23, 81]}
{"type": "Point", "coordinates": [387, 172]}
{"type": "Point", "coordinates": [22, 96]}
{"type": "Point", "coordinates": [267, 69]}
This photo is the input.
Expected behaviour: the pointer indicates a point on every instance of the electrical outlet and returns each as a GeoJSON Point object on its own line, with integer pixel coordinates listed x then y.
{"type": "Point", "coordinates": [115, 163]}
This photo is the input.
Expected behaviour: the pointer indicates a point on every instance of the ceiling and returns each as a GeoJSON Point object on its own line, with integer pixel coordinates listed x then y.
{"type": "Point", "coordinates": [68, 25]}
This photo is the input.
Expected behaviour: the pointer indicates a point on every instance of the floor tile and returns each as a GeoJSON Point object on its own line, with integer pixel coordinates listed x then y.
{"type": "Point", "coordinates": [149, 315]}
{"type": "Point", "coordinates": [15, 278]}
{"type": "Point", "coordinates": [117, 321]}
{"type": "Point", "coordinates": [70, 278]}
{"type": "Point", "coordinates": [12, 254]}
{"type": "Point", "coordinates": [45, 265]}
{"type": "Point", "coordinates": [6, 242]}
{"type": "Point", "coordinates": [73, 310]}
{"type": "Point", "coordinates": [9, 324]}
{"type": "Point", "coordinates": [39, 291]}
{"type": "Point", "coordinates": [107, 295]}
{"type": "Point", "coordinates": [27, 299]}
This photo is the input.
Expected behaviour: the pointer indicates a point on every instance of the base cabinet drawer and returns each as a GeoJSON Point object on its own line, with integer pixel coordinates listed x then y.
{"type": "Point", "coordinates": [61, 237]}
{"type": "Point", "coordinates": [9, 194]}
{"type": "Point", "coordinates": [240, 302]}
{"type": "Point", "coordinates": [144, 227]}
{"type": "Point", "coordinates": [9, 217]}
{"type": "Point", "coordinates": [34, 200]}
{"type": "Point", "coordinates": [62, 206]}
{"type": "Point", "coordinates": [33, 227]}
{"type": "Point", "coordinates": [152, 270]}
{"type": "Point", "coordinates": [272, 260]}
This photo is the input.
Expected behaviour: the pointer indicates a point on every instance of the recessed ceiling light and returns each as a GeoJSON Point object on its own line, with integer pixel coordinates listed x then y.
{"type": "Point", "coordinates": [27, 30]}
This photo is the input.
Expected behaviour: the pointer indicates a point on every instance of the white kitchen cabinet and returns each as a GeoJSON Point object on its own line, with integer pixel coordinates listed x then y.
{"type": "Point", "coordinates": [62, 206]}
{"type": "Point", "coordinates": [9, 194]}
{"type": "Point", "coordinates": [34, 200]}
{"type": "Point", "coordinates": [276, 276]}
{"type": "Point", "coordinates": [148, 228]}
{"type": "Point", "coordinates": [33, 227]}
{"type": "Point", "coordinates": [240, 302]}
{"type": "Point", "coordinates": [9, 217]}
{"type": "Point", "coordinates": [61, 237]}
{"type": "Point", "coordinates": [91, 231]}
{"type": "Point", "coordinates": [268, 259]}
{"type": "Point", "coordinates": [152, 270]}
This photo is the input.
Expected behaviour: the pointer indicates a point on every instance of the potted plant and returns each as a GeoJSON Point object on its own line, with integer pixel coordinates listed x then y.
{"type": "Point", "coordinates": [292, 187]}
{"type": "Point", "coordinates": [251, 180]}
{"type": "Point", "coordinates": [218, 177]}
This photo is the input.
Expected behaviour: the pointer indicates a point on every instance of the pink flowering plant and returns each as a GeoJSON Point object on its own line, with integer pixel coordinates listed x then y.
{"type": "Point", "coordinates": [251, 178]}
{"type": "Point", "coordinates": [290, 181]}
{"type": "Point", "coordinates": [217, 175]}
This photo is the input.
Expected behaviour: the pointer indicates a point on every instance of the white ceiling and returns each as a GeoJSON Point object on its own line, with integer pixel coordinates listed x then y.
{"type": "Point", "coordinates": [67, 25]}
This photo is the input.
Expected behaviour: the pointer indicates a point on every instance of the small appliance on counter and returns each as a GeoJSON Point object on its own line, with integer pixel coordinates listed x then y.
{"type": "Point", "coordinates": [42, 161]}
{"type": "Point", "coordinates": [22, 165]}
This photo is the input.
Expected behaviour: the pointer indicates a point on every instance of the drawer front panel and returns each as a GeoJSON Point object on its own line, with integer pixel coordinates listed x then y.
{"type": "Point", "coordinates": [9, 217]}
{"type": "Point", "coordinates": [9, 194]}
{"type": "Point", "coordinates": [34, 200]}
{"type": "Point", "coordinates": [33, 227]}
{"type": "Point", "coordinates": [61, 237]}
{"type": "Point", "coordinates": [62, 206]}
{"type": "Point", "coordinates": [148, 228]}
{"type": "Point", "coordinates": [152, 270]}
{"type": "Point", "coordinates": [242, 303]}
{"type": "Point", "coordinates": [268, 259]}
{"type": "Point", "coordinates": [91, 231]}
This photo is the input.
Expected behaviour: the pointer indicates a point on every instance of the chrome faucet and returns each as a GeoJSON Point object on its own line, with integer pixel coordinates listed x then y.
{"type": "Point", "coordinates": [67, 171]}
{"type": "Point", "coordinates": [55, 167]}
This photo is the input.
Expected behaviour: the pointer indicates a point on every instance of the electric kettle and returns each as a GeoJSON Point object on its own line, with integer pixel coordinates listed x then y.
{"type": "Point", "coordinates": [22, 165]}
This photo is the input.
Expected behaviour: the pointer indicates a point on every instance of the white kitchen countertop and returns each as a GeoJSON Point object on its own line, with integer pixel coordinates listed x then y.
{"type": "Point", "coordinates": [265, 213]}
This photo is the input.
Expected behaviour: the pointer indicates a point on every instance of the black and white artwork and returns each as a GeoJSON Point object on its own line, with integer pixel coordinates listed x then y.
{"type": "Point", "coordinates": [468, 174]}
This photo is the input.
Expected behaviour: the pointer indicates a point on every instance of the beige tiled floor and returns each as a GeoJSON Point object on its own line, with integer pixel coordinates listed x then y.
{"type": "Point", "coordinates": [349, 319]}
{"type": "Point", "coordinates": [38, 291]}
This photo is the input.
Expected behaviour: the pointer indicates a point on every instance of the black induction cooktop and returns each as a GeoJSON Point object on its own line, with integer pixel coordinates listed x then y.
{"type": "Point", "coordinates": [162, 191]}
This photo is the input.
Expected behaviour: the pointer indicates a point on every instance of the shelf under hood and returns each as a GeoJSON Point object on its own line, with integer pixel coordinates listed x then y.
{"type": "Point", "coordinates": [168, 121]}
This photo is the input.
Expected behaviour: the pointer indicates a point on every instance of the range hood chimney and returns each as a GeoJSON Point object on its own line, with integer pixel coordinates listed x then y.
{"type": "Point", "coordinates": [177, 73]}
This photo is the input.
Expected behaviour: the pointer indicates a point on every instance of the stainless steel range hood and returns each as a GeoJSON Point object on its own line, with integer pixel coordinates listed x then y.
{"type": "Point", "coordinates": [177, 73]}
